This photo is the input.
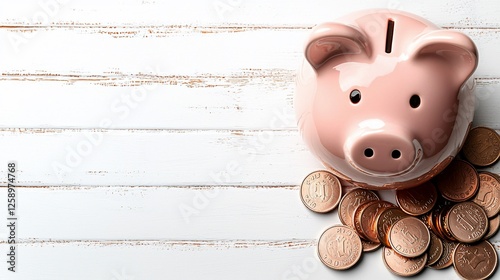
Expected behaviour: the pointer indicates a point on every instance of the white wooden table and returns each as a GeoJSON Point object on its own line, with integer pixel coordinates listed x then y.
{"type": "Point", "coordinates": [156, 139]}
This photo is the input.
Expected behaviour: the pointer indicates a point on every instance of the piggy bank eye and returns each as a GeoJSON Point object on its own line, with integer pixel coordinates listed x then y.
{"type": "Point", "coordinates": [415, 101]}
{"type": "Point", "coordinates": [355, 96]}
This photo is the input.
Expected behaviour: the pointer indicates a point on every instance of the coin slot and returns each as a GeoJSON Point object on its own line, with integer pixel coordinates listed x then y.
{"type": "Point", "coordinates": [396, 154]}
{"type": "Point", "coordinates": [368, 152]}
{"type": "Point", "coordinates": [389, 36]}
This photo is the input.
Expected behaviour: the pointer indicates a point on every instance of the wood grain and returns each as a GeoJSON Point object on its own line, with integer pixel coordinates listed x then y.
{"type": "Point", "coordinates": [189, 260]}
{"type": "Point", "coordinates": [252, 47]}
{"type": "Point", "coordinates": [175, 122]}
{"type": "Point", "coordinates": [206, 12]}
{"type": "Point", "coordinates": [99, 213]}
{"type": "Point", "coordinates": [158, 157]}
{"type": "Point", "coordinates": [247, 99]}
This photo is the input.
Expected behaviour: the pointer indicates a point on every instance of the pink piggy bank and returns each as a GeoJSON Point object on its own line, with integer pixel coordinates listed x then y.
{"type": "Point", "coordinates": [384, 98]}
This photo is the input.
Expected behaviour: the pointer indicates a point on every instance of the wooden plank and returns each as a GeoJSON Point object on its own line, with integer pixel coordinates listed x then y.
{"type": "Point", "coordinates": [180, 51]}
{"type": "Point", "coordinates": [166, 213]}
{"type": "Point", "coordinates": [244, 100]}
{"type": "Point", "coordinates": [66, 151]}
{"type": "Point", "coordinates": [447, 12]}
{"type": "Point", "coordinates": [241, 100]}
{"type": "Point", "coordinates": [58, 157]}
{"type": "Point", "coordinates": [285, 260]}
{"type": "Point", "coordinates": [154, 157]}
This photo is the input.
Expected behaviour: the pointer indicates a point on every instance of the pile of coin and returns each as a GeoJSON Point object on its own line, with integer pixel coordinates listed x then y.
{"type": "Point", "coordinates": [443, 222]}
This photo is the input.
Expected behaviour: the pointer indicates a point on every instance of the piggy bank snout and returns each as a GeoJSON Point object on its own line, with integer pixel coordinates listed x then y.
{"type": "Point", "coordinates": [383, 153]}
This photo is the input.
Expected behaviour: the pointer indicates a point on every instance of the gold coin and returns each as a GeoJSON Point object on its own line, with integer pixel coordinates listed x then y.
{"type": "Point", "coordinates": [409, 237]}
{"type": "Point", "coordinates": [351, 201]}
{"type": "Point", "coordinates": [321, 191]}
{"type": "Point", "coordinates": [401, 265]}
{"type": "Point", "coordinates": [467, 222]}
{"type": "Point", "coordinates": [475, 261]}
{"type": "Point", "coordinates": [458, 182]}
{"type": "Point", "coordinates": [482, 146]}
{"type": "Point", "coordinates": [339, 247]}
{"type": "Point", "coordinates": [418, 200]}
{"type": "Point", "coordinates": [488, 195]}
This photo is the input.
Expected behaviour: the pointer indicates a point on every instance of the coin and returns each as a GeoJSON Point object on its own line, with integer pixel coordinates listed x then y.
{"type": "Point", "coordinates": [482, 146]}
{"type": "Point", "coordinates": [356, 218]}
{"type": "Point", "coordinates": [384, 222]}
{"type": "Point", "coordinates": [475, 261]}
{"type": "Point", "coordinates": [442, 224]}
{"type": "Point", "coordinates": [409, 237]}
{"type": "Point", "coordinates": [467, 222]}
{"type": "Point", "coordinates": [435, 222]}
{"type": "Point", "coordinates": [339, 247]}
{"type": "Point", "coordinates": [488, 195]}
{"type": "Point", "coordinates": [401, 265]}
{"type": "Point", "coordinates": [320, 191]}
{"type": "Point", "coordinates": [427, 219]}
{"type": "Point", "coordinates": [351, 201]}
{"type": "Point", "coordinates": [446, 259]}
{"type": "Point", "coordinates": [458, 182]}
{"type": "Point", "coordinates": [418, 200]}
{"type": "Point", "coordinates": [435, 250]}
{"type": "Point", "coordinates": [368, 216]}
{"type": "Point", "coordinates": [493, 228]}
{"type": "Point", "coordinates": [369, 246]}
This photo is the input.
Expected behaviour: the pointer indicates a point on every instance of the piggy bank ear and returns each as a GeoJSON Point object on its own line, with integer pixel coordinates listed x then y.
{"type": "Point", "coordinates": [455, 48]}
{"type": "Point", "coordinates": [330, 40]}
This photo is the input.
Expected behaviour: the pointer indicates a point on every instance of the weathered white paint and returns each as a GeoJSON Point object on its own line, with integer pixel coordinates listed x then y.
{"type": "Point", "coordinates": [236, 102]}
{"type": "Point", "coordinates": [152, 157]}
{"type": "Point", "coordinates": [211, 260]}
{"type": "Point", "coordinates": [211, 84]}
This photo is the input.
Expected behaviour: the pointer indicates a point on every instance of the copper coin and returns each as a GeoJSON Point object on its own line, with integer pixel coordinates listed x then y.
{"type": "Point", "coordinates": [482, 146]}
{"type": "Point", "coordinates": [435, 250]}
{"type": "Point", "coordinates": [418, 200]}
{"type": "Point", "coordinates": [446, 259]}
{"type": "Point", "coordinates": [384, 222]}
{"type": "Point", "coordinates": [442, 222]}
{"type": "Point", "coordinates": [369, 246]}
{"type": "Point", "coordinates": [493, 228]}
{"type": "Point", "coordinates": [356, 218]}
{"type": "Point", "coordinates": [458, 182]}
{"type": "Point", "coordinates": [427, 219]}
{"type": "Point", "coordinates": [436, 218]}
{"type": "Point", "coordinates": [475, 261]}
{"type": "Point", "coordinates": [488, 195]}
{"type": "Point", "coordinates": [435, 224]}
{"type": "Point", "coordinates": [320, 191]}
{"type": "Point", "coordinates": [467, 222]}
{"type": "Point", "coordinates": [339, 247]}
{"type": "Point", "coordinates": [403, 266]}
{"type": "Point", "coordinates": [409, 237]}
{"type": "Point", "coordinates": [368, 216]}
{"type": "Point", "coordinates": [351, 201]}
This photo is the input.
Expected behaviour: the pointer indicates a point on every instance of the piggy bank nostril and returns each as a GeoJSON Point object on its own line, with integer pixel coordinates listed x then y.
{"type": "Point", "coordinates": [368, 152]}
{"type": "Point", "coordinates": [396, 154]}
{"type": "Point", "coordinates": [415, 101]}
